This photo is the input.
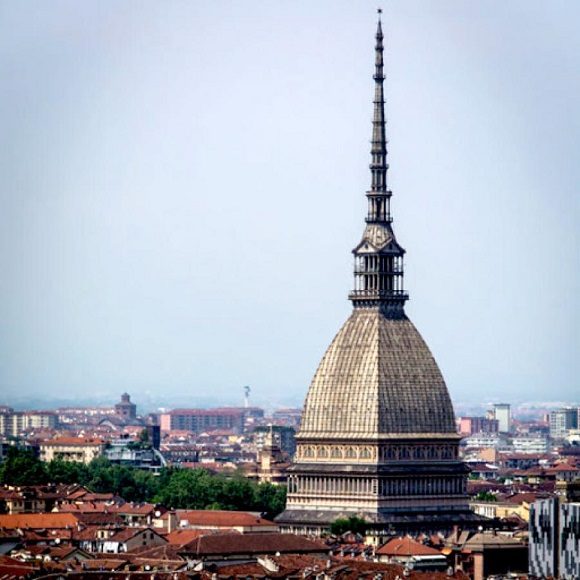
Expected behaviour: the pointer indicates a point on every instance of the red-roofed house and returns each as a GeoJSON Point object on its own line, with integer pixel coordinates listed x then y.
{"type": "Point", "coordinates": [183, 537]}
{"type": "Point", "coordinates": [37, 521]}
{"type": "Point", "coordinates": [11, 568]}
{"type": "Point", "coordinates": [111, 541]}
{"type": "Point", "coordinates": [564, 472]}
{"type": "Point", "coordinates": [222, 547]}
{"type": "Point", "coordinates": [242, 522]}
{"type": "Point", "coordinates": [137, 514]}
{"type": "Point", "coordinates": [408, 551]}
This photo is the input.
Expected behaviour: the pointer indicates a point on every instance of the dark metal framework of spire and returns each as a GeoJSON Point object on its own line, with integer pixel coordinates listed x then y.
{"type": "Point", "coordinates": [379, 195]}
{"type": "Point", "coordinates": [378, 268]}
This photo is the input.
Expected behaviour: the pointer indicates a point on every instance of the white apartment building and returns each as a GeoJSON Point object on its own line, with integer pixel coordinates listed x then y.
{"type": "Point", "coordinates": [531, 444]}
{"type": "Point", "coordinates": [502, 414]}
{"type": "Point", "coordinates": [486, 440]}
{"type": "Point", "coordinates": [562, 421]}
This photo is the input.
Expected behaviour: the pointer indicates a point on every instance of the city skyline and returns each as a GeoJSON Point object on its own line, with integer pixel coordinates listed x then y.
{"type": "Point", "coordinates": [161, 167]}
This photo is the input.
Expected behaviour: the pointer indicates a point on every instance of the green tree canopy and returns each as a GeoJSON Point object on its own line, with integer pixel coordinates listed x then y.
{"type": "Point", "coordinates": [174, 488]}
{"type": "Point", "coordinates": [22, 467]}
{"type": "Point", "coordinates": [352, 524]}
{"type": "Point", "coordinates": [61, 471]}
{"type": "Point", "coordinates": [485, 496]}
{"type": "Point", "coordinates": [271, 499]}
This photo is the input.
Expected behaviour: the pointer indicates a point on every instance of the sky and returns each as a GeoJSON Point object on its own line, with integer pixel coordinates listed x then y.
{"type": "Point", "coordinates": [182, 183]}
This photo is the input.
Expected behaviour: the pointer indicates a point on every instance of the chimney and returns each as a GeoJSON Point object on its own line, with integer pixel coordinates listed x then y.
{"type": "Point", "coordinates": [171, 521]}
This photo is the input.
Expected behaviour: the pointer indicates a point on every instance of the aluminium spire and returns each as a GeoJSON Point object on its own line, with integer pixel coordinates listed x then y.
{"type": "Point", "coordinates": [378, 270]}
{"type": "Point", "coordinates": [379, 165]}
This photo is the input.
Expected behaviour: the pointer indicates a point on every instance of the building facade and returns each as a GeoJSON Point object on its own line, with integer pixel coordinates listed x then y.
{"type": "Point", "coordinates": [79, 449]}
{"type": "Point", "coordinates": [378, 437]}
{"type": "Point", "coordinates": [285, 436]}
{"type": "Point", "coordinates": [569, 536]}
{"type": "Point", "coordinates": [272, 466]}
{"type": "Point", "coordinates": [563, 421]}
{"type": "Point", "coordinates": [12, 423]}
{"type": "Point", "coordinates": [201, 420]}
{"type": "Point", "coordinates": [554, 539]}
{"type": "Point", "coordinates": [125, 409]}
{"type": "Point", "coordinates": [473, 425]}
{"type": "Point", "coordinates": [503, 415]}
{"type": "Point", "coordinates": [531, 444]}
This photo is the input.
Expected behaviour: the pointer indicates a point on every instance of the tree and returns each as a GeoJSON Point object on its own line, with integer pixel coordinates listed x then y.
{"type": "Point", "coordinates": [177, 488]}
{"type": "Point", "coordinates": [61, 471]}
{"type": "Point", "coordinates": [270, 499]}
{"type": "Point", "coordinates": [99, 475]}
{"type": "Point", "coordinates": [198, 489]}
{"type": "Point", "coordinates": [187, 489]}
{"type": "Point", "coordinates": [22, 467]}
{"type": "Point", "coordinates": [146, 485]}
{"type": "Point", "coordinates": [237, 493]}
{"type": "Point", "coordinates": [352, 524]}
{"type": "Point", "coordinates": [485, 496]}
{"type": "Point", "coordinates": [144, 437]}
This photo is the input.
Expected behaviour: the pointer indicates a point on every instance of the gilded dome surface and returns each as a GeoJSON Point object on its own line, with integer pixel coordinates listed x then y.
{"type": "Point", "coordinates": [378, 379]}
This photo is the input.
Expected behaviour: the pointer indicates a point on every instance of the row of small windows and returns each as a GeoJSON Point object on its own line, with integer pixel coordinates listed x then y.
{"type": "Point", "coordinates": [372, 486]}
{"type": "Point", "coordinates": [386, 453]}
{"type": "Point", "coordinates": [312, 451]}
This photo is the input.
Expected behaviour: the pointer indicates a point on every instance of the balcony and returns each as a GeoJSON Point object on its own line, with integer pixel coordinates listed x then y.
{"type": "Point", "coordinates": [360, 270]}
{"type": "Point", "coordinates": [379, 294]}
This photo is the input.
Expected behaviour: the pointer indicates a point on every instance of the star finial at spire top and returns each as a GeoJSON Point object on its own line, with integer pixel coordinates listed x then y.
{"type": "Point", "coordinates": [379, 11]}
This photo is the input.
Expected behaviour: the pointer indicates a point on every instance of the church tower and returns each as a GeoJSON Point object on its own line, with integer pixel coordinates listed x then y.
{"type": "Point", "coordinates": [378, 437]}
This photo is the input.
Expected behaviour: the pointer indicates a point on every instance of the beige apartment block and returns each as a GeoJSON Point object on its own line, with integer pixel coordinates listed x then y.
{"type": "Point", "coordinates": [72, 449]}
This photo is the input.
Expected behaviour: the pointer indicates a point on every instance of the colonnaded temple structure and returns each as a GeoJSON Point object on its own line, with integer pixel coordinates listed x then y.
{"type": "Point", "coordinates": [378, 437]}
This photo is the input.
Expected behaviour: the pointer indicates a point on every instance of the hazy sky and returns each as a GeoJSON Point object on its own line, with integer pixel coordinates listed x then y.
{"type": "Point", "coordinates": [182, 183]}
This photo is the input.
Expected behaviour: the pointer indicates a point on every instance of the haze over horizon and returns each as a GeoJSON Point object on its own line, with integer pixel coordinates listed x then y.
{"type": "Point", "coordinates": [182, 184]}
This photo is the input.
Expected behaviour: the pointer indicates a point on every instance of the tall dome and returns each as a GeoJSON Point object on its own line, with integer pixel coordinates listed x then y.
{"type": "Point", "coordinates": [378, 437]}
{"type": "Point", "coordinates": [377, 379]}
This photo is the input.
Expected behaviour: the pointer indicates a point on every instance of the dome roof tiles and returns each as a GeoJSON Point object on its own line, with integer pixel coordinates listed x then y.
{"type": "Point", "coordinates": [377, 380]}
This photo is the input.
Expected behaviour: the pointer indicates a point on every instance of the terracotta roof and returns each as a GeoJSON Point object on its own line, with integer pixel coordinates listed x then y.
{"type": "Point", "coordinates": [490, 541]}
{"type": "Point", "coordinates": [519, 498]}
{"type": "Point", "coordinates": [221, 518]}
{"type": "Point", "coordinates": [561, 468]}
{"type": "Point", "coordinates": [99, 519]}
{"type": "Point", "coordinates": [246, 570]}
{"type": "Point", "coordinates": [90, 496]}
{"type": "Point", "coordinates": [109, 563]}
{"type": "Point", "coordinates": [141, 509]}
{"type": "Point", "coordinates": [11, 568]}
{"type": "Point", "coordinates": [231, 544]}
{"type": "Point", "coordinates": [406, 547]}
{"type": "Point", "coordinates": [128, 533]}
{"type": "Point", "coordinates": [83, 508]}
{"type": "Point", "coordinates": [157, 564]}
{"type": "Point", "coordinates": [28, 536]}
{"type": "Point", "coordinates": [89, 533]}
{"type": "Point", "coordinates": [338, 569]}
{"type": "Point", "coordinates": [183, 537]}
{"type": "Point", "coordinates": [210, 412]}
{"type": "Point", "coordinates": [161, 552]}
{"type": "Point", "coordinates": [55, 552]}
{"type": "Point", "coordinates": [61, 552]}
{"type": "Point", "coordinates": [78, 492]}
{"type": "Point", "coordinates": [119, 533]}
{"type": "Point", "coordinates": [38, 521]}
{"type": "Point", "coordinates": [82, 441]}
{"type": "Point", "coordinates": [8, 494]}
{"type": "Point", "coordinates": [530, 456]}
